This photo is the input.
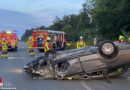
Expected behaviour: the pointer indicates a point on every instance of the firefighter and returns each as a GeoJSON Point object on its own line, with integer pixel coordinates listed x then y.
{"type": "Point", "coordinates": [47, 44]}
{"type": "Point", "coordinates": [4, 48]}
{"type": "Point", "coordinates": [129, 40]}
{"type": "Point", "coordinates": [30, 46]}
{"type": "Point", "coordinates": [121, 39]}
{"type": "Point", "coordinates": [81, 43]}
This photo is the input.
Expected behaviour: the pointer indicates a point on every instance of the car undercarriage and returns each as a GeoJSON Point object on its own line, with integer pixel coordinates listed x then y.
{"type": "Point", "coordinates": [105, 60]}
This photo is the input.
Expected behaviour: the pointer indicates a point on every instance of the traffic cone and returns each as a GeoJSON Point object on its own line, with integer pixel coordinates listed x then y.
{"type": "Point", "coordinates": [1, 83]}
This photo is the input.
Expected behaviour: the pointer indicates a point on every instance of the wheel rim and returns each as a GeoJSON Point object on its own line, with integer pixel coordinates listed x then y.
{"type": "Point", "coordinates": [108, 48]}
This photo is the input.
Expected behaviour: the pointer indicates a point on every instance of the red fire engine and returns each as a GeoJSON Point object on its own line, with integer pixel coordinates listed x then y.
{"type": "Point", "coordinates": [58, 39]}
{"type": "Point", "coordinates": [11, 39]}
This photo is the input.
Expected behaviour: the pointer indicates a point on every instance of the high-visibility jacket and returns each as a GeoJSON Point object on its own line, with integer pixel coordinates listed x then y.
{"type": "Point", "coordinates": [30, 44]}
{"type": "Point", "coordinates": [121, 37]}
{"type": "Point", "coordinates": [81, 44]}
{"type": "Point", "coordinates": [4, 45]}
{"type": "Point", "coordinates": [129, 38]}
{"type": "Point", "coordinates": [47, 46]}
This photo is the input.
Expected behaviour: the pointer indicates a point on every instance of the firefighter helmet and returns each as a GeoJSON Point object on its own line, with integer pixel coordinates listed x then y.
{"type": "Point", "coordinates": [129, 38]}
{"type": "Point", "coordinates": [121, 37]}
{"type": "Point", "coordinates": [81, 37]}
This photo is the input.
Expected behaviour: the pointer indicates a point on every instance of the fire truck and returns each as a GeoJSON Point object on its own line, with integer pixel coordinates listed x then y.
{"type": "Point", "coordinates": [58, 39]}
{"type": "Point", "coordinates": [11, 39]}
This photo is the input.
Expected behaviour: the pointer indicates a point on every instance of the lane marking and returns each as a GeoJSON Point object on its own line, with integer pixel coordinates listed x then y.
{"type": "Point", "coordinates": [5, 88]}
{"type": "Point", "coordinates": [128, 78]}
{"type": "Point", "coordinates": [36, 56]}
{"type": "Point", "coordinates": [85, 86]}
{"type": "Point", "coordinates": [10, 58]}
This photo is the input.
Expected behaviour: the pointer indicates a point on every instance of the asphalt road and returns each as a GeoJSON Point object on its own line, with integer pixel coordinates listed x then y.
{"type": "Point", "coordinates": [13, 76]}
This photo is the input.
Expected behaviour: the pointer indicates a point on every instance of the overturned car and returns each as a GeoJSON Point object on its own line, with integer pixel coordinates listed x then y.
{"type": "Point", "coordinates": [106, 59]}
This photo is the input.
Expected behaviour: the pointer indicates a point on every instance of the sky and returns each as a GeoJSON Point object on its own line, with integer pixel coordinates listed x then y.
{"type": "Point", "coordinates": [25, 14]}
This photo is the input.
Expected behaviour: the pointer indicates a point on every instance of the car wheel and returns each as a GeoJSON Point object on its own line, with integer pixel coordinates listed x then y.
{"type": "Point", "coordinates": [98, 43]}
{"type": "Point", "coordinates": [108, 50]}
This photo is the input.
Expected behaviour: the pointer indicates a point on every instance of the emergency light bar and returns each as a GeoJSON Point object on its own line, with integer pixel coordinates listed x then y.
{"type": "Point", "coordinates": [9, 32]}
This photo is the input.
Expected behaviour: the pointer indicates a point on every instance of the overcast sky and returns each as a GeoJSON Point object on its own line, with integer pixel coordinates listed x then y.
{"type": "Point", "coordinates": [25, 14]}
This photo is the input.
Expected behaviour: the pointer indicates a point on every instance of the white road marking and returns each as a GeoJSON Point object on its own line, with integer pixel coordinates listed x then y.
{"type": "Point", "coordinates": [128, 78]}
{"type": "Point", "coordinates": [85, 86]}
{"type": "Point", "coordinates": [5, 88]}
{"type": "Point", "coordinates": [10, 58]}
{"type": "Point", "coordinates": [36, 56]}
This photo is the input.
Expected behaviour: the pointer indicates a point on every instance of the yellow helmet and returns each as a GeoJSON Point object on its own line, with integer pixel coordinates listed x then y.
{"type": "Point", "coordinates": [121, 37]}
{"type": "Point", "coordinates": [129, 38]}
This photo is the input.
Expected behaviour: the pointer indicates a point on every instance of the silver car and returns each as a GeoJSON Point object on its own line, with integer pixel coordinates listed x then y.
{"type": "Point", "coordinates": [106, 59]}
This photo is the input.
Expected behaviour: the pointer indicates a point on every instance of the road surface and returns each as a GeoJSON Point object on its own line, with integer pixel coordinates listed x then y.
{"type": "Point", "coordinates": [14, 78]}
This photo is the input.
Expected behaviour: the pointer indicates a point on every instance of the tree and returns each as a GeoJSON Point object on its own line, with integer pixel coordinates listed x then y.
{"type": "Point", "coordinates": [84, 20]}
{"type": "Point", "coordinates": [111, 17]}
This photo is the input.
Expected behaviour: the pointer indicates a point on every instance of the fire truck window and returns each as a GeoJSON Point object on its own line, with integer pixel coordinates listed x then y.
{"type": "Point", "coordinates": [40, 35]}
{"type": "Point", "coordinates": [53, 38]}
{"type": "Point", "coordinates": [40, 39]}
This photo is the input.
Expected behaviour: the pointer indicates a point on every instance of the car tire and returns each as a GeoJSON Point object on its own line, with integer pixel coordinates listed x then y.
{"type": "Point", "coordinates": [54, 45]}
{"type": "Point", "coordinates": [99, 42]}
{"type": "Point", "coordinates": [15, 49]}
{"type": "Point", "coordinates": [108, 50]}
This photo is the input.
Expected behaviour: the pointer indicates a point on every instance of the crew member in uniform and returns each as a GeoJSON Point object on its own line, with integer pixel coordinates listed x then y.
{"type": "Point", "coordinates": [81, 43]}
{"type": "Point", "coordinates": [4, 48]}
{"type": "Point", "coordinates": [30, 46]}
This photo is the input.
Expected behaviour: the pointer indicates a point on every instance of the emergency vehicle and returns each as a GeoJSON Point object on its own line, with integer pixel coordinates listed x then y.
{"type": "Point", "coordinates": [11, 39]}
{"type": "Point", "coordinates": [58, 39]}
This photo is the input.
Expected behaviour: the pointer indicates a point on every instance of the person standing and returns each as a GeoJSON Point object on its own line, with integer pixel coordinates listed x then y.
{"type": "Point", "coordinates": [30, 46]}
{"type": "Point", "coordinates": [121, 39]}
{"type": "Point", "coordinates": [4, 48]}
{"type": "Point", "coordinates": [129, 40]}
{"type": "Point", "coordinates": [81, 43]}
{"type": "Point", "coordinates": [47, 44]}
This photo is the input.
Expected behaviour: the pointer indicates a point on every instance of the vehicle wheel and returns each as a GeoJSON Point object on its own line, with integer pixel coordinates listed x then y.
{"type": "Point", "coordinates": [54, 45]}
{"type": "Point", "coordinates": [50, 53]}
{"type": "Point", "coordinates": [108, 50]}
{"type": "Point", "coordinates": [98, 43]}
{"type": "Point", "coordinates": [15, 49]}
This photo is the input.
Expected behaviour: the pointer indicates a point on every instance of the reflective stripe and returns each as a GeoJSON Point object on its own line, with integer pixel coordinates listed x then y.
{"type": "Point", "coordinates": [129, 39]}
{"type": "Point", "coordinates": [47, 46]}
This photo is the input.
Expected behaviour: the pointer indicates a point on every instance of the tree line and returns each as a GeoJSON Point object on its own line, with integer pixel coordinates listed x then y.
{"type": "Point", "coordinates": [97, 19]}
